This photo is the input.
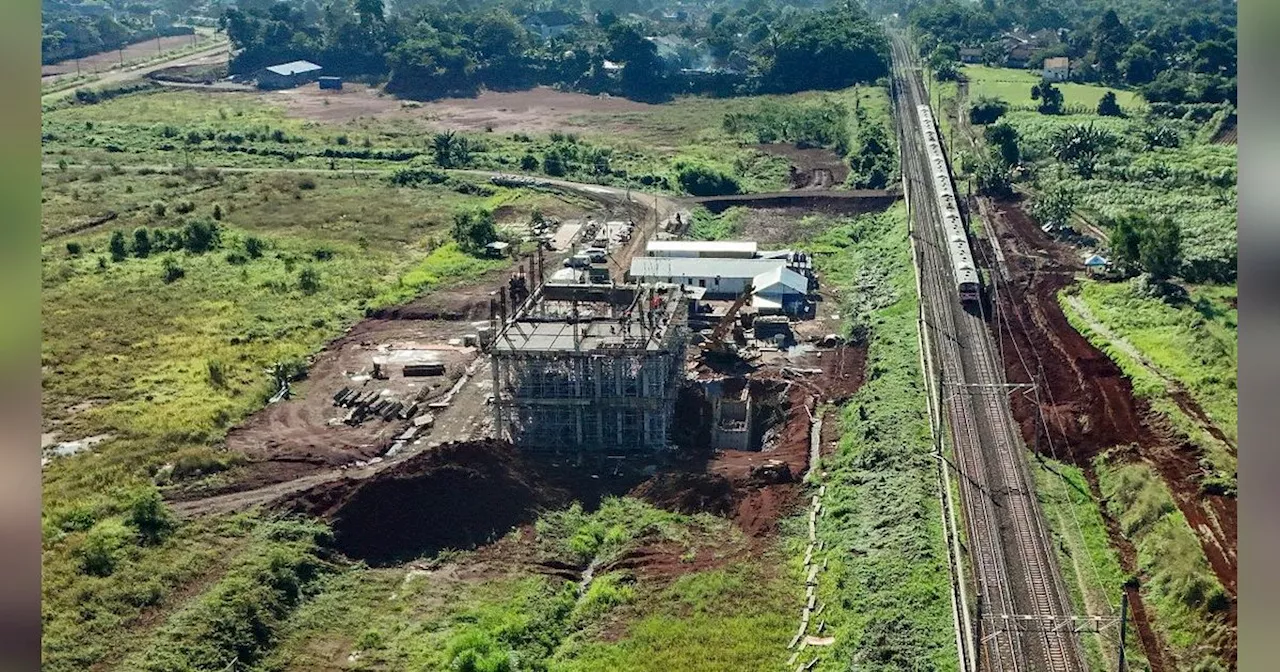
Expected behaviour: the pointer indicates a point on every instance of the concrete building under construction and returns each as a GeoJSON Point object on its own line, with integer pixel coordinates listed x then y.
{"type": "Point", "coordinates": [589, 371]}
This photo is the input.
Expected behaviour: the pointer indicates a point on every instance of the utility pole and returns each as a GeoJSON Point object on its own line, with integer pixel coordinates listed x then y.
{"type": "Point", "coordinates": [1124, 621]}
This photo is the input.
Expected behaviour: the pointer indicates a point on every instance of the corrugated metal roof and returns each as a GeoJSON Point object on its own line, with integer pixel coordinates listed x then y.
{"type": "Point", "coordinates": [700, 267]}
{"type": "Point", "coordinates": [738, 246]}
{"type": "Point", "coordinates": [778, 281]}
{"type": "Point", "coordinates": [293, 68]}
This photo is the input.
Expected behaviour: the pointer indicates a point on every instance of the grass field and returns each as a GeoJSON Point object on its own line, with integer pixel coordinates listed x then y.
{"type": "Point", "coordinates": [887, 588]}
{"type": "Point", "coordinates": [161, 362]}
{"type": "Point", "coordinates": [1014, 86]}
{"type": "Point", "coordinates": [1090, 567]}
{"type": "Point", "coordinates": [733, 617]}
{"type": "Point", "coordinates": [231, 129]}
{"type": "Point", "coordinates": [1177, 585]}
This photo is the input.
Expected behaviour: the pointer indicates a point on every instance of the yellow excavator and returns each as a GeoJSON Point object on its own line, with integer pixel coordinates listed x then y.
{"type": "Point", "coordinates": [715, 345]}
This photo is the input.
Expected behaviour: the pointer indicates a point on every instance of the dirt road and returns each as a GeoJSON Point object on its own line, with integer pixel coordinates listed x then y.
{"type": "Point", "coordinates": [136, 72]}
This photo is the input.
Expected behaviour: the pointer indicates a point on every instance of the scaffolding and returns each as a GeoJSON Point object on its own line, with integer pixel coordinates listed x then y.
{"type": "Point", "coordinates": [584, 371]}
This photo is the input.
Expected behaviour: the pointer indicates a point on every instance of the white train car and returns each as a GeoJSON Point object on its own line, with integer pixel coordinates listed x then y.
{"type": "Point", "coordinates": [964, 272]}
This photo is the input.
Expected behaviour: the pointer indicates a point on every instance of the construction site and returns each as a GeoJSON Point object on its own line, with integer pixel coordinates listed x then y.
{"type": "Point", "coordinates": [613, 357]}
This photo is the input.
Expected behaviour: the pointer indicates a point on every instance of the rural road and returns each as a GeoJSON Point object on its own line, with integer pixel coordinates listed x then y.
{"type": "Point", "coordinates": [120, 75]}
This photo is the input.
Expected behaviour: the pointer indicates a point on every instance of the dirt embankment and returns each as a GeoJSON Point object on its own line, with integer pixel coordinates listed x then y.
{"type": "Point", "coordinates": [456, 495]}
{"type": "Point", "coordinates": [811, 167]}
{"type": "Point", "coordinates": [1086, 401]}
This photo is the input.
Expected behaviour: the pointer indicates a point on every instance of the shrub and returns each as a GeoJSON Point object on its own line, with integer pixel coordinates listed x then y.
{"type": "Point", "coordinates": [1108, 107]}
{"type": "Point", "coordinates": [141, 242]}
{"type": "Point", "coordinates": [529, 162]}
{"type": "Point", "coordinates": [117, 246]}
{"type": "Point", "coordinates": [253, 246]}
{"type": "Point", "coordinates": [217, 373]}
{"type": "Point", "coordinates": [149, 516]}
{"type": "Point", "coordinates": [158, 208]}
{"type": "Point", "coordinates": [309, 280]}
{"type": "Point", "coordinates": [184, 207]}
{"type": "Point", "coordinates": [307, 183]}
{"type": "Point", "coordinates": [343, 140]}
{"type": "Point", "coordinates": [172, 271]}
{"type": "Point", "coordinates": [986, 110]}
{"type": "Point", "coordinates": [103, 548]}
{"type": "Point", "coordinates": [217, 212]}
{"type": "Point", "coordinates": [703, 179]}
{"type": "Point", "coordinates": [73, 248]}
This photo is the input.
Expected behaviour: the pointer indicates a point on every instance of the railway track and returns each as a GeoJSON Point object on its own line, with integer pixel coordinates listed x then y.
{"type": "Point", "coordinates": [1023, 615]}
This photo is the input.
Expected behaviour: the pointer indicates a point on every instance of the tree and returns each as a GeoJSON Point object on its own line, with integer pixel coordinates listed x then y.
{"type": "Point", "coordinates": [1053, 207]}
{"type": "Point", "coordinates": [986, 110]}
{"type": "Point", "coordinates": [1110, 39]}
{"type": "Point", "coordinates": [1081, 146]}
{"type": "Point", "coordinates": [117, 246]}
{"type": "Point", "coordinates": [1049, 96]}
{"type": "Point", "coordinates": [1140, 64]}
{"type": "Point", "coordinates": [1108, 107]}
{"type": "Point", "coordinates": [703, 179]}
{"type": "Point", "coordinates": [442, 148]}
{"type": "Point", "coordinates": [826, 50]}
{"type": "Point", "coordinates": [141, 242]}
{"type": "Point", "coordinates": [474, 229]}
{"type": "Point", "coordinates": [1004, 138]}
{"type": "Point", "coordinates": [993, 178]}
{"type": "Point", "coordinates": [1160, 249]}
{"type": "Point", "coordinates": [1125, 241]}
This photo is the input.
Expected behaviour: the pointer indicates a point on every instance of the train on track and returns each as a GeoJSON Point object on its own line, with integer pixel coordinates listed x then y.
{"type": "Point", "coordinates": [965, 273]}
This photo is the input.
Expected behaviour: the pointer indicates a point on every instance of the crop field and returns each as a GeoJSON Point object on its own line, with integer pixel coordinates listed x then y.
{"type": "Point", "coordinates": [1013, 85]}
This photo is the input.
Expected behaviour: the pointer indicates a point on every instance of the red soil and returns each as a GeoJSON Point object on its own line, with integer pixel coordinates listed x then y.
{"type": "Point", "coordinates": [1088, 402]}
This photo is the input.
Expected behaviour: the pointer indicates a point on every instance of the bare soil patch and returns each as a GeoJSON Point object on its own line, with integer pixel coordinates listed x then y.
{"type": "Point", "coordinates": [538, 110]}
{"type": "Point", "coordinates": [811, 167]}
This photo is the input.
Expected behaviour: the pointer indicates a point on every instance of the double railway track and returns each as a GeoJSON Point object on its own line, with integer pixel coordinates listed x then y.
{"type": "Point", "coordinates": [1023, 616]}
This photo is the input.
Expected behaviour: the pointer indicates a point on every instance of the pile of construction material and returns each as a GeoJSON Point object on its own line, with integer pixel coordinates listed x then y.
{"type": "Point", "coordinates": [367, 404]}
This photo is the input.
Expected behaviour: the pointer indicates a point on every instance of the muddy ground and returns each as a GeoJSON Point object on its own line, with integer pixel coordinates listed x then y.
{"type": "Point", "coordinates": [1088, 403]}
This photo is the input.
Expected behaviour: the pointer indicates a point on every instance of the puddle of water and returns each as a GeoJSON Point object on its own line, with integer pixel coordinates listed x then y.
{"type": "Point", "coordinates": [69, 448]}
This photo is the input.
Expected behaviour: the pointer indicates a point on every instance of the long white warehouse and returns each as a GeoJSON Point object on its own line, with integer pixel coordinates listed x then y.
{"type": "Point", "coordinates": [719, 249]}
{"type": "Point", "coordinates": [721, 277]}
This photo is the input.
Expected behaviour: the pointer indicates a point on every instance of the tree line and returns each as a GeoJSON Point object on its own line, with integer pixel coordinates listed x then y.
{"type": "Point", "coordinates": [1181, 51]}
{"type": "Point", "coordinates": [442, 50]}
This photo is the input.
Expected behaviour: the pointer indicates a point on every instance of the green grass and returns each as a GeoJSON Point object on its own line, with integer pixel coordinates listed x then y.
{"type": "Point", "coordinates": [725, 619]}
{"type": "Point", "coordinates": [243, 130]}
{"type": "Point", "coordinates": [128, 355]}
{"type": "Point", "coordinates": [887, 588]}
{"type": "Point", "coordinates": [1173, 340]}
{"type": "Point", "coordinates": [1178, 587]}
{"type": "Point", "coordinates": [1090, 567]}
{"type": "Point", "coordinates": [439, 618]}
{"type": "Point", "coordinates": [1014, 86]}
{"type": "Point", "coordinates": [723, 226]}
{"type": "Point", "coordinates": [1194, 343]}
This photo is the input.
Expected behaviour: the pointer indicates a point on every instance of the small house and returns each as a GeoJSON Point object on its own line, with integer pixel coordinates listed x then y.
{"type": "Point", "coordinates": [1057, 69]}
{"type": "Point", "coordinates": [722, 278]}
{"type": "Point", "coordinates": [550, 23]}
{"type": "Point", "coordinates": [288, 75]}
{"type": "Point", "coordinates": [970, 55]}
{"type": "Point", "coordinates": [1019, 55]}
{"type": "Point", "coordinates": [332, 83]}
{"type": "Point", "coordinates": [1094, 263]}
{"type": "Point", "coordinates": [724, 249]}
{"type": "Point", "coordinates": [780, 290]}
